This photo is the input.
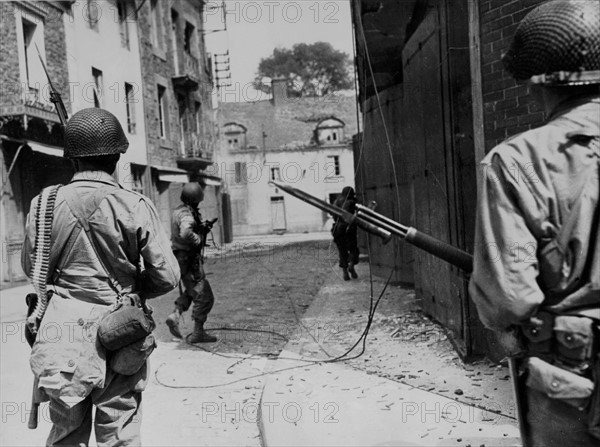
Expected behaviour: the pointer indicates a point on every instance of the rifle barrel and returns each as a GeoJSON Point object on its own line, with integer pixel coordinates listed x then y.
{"type": "Point", "coordinates": [336, 211]}
{"type": "Point", "coordinates": [381, 224]}
{"type": "Point", "coordinates": [381, 218]}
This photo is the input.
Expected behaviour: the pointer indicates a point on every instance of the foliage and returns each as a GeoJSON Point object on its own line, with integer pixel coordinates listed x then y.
{"type": "Point", "coordinates": [311, 69]}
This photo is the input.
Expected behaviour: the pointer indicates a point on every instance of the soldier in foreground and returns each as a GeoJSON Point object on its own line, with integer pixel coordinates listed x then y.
{"type": "Point", "coordinates": [71, 365]}
{"type": "Point", "coordinates": [188, 234]}
{"type": "Point", "coordinates": [536, 275]}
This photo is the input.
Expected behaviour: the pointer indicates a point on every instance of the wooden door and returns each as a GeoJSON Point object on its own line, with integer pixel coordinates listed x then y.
{"type": "Point", "coordinates": [278, 221]}
{"type": "Point", "coordinates": [433, 119]}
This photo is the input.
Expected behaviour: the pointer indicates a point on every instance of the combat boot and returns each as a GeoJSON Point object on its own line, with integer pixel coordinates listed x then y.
{"type": "Point", "coordinates": [345, 272]}
{"type": "Point", "coordinates": [352, 271]}
{"type": "Point", "coordinates": [200, 335]}
{"type": "Point", "coordinates": [173, 323]}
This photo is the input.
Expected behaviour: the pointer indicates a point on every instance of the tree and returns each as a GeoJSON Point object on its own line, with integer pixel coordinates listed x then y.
{"type": "Point", "coordinates": [311, 69]}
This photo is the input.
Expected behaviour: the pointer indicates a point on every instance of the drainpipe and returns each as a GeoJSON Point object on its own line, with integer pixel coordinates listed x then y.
{"type": "Point", "coordinates": [12, 165]}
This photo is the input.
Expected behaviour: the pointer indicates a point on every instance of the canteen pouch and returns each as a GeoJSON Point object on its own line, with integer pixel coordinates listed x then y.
{"type": "Point", "coordinates": [129, 359]}
{"type": "Point", "coordinates": [557, 383]}
{"type": "Point", "coordinates": [129, 322]}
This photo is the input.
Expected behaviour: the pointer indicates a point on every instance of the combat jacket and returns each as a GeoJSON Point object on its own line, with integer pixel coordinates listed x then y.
{"type": "Point", "coordinates": [186, 229]}
{"type": "Point", "coordinates": [529, 185]}
{"type": "Point", "coordinates": [65, 356]}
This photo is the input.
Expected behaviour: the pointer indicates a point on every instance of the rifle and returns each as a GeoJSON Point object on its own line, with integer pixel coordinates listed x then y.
{"type": "Point", "coordinates": [383, 227]}
{"type": "Point", "coordinates": [346, 216]}
{"type": "Point", "coordinates": [208, 224]}
{"type": "Point", "coordinates": [55, 97]}
{"type": "Point", "coordinates": [375, 223]}
{"type": "Point", "coordinates": [37, 395]}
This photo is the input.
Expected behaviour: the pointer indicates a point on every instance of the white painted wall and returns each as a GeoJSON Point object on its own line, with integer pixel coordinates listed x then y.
{"type": "Point", "coordinates": [309, 170]}
{"type": "Point", "coordinates": [100, 47]}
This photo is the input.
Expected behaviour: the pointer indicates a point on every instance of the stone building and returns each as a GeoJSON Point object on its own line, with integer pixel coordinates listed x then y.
{"type": "Point", "coordinates": [432, 82]}
{"type": "Point", "coordinates": [31, 136]}
{"type": "Point", "coordinates": [144, 63]}
{"type": "Point", "coordinates": [177, 88]}
{"type": "Point", "coordinates": [301, 142]}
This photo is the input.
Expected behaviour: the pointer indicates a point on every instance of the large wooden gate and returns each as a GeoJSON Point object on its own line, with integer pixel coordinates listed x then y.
{"type": "Point", "coordinates": [437, 128]}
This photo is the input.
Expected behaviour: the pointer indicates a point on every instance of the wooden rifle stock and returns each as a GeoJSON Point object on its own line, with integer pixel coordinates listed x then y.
{"type": "Point", "coordinates": [440, 249]}
{"type": "Point", "coordinates": [32, 423]}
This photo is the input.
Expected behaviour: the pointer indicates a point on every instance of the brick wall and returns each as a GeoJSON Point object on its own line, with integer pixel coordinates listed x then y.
{"type": "Point", "coordinates": [54, 42]}
{"type": "Point", "coordinates": [56, 52]}
{"type": "Point", "coordinates": [9, 58]}
{"type": "Point", "coordinates": [507, 107]}
{"type": "Point", "coordinates": [154, 64]}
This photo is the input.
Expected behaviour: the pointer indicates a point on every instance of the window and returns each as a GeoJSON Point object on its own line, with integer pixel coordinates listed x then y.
{"type": "Point", "coordinates": [198, 116]}
{"type": "Point", "coordinates": [92, 14]}
{"type": "Point", "coordinates": [183, 128]}
{"type": "Point", "coordinates": [330, 131]}
{"type": "Point", "coordinates": [236, 135]}
{"type": "Point", "coordinates": [162, 128]}
{"type": "Point", "coordinates": [334, 163]}
{"type": "Point", "coordinates": [29, 47]}
{"type": "Point", "coordinates": [32, 73]}
{"type": "Point", "coordinates": [156, 18]}
{"type": "Point", "coordinates": [188, 41]}
{"type": "Point", "coordinates": [123, 25]}
{"type": "Point", "coordinates": [240, 172]}
{"type": "Point", "coordinates": [137, 174]}
{"type": "Point", "coordinates": [174, 42]}
{"type": "Point", "coordinates": [97, 75]}
{"type": "Point", "coordinates": [130, 107]}
{"type": "Point", "coordinates": [275, 174]}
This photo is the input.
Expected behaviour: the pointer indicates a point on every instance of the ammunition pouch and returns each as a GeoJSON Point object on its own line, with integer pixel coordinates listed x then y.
{"type": "Point", "coordinates": [563, 361]}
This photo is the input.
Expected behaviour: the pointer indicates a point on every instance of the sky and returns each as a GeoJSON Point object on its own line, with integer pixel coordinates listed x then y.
{"type": "Point", "coordinates": [256, 28]}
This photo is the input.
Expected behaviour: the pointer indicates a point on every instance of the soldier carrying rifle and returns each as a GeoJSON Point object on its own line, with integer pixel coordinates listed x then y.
{"type": "Point", "coordinates": [538, 203]}
{"type": "Point", "coordinates": [188, 235]}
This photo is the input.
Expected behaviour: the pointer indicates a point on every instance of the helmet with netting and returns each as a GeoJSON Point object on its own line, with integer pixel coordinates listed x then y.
{"type": "Point", "coordinates": [192, 193]}
{"type": "Point", "coordinates": [92, 132]}
{"type": "Point", "coordinates": [558, 43]}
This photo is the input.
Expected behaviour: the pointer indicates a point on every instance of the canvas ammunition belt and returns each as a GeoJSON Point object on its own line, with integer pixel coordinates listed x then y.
{"type": "Point", "coordinates": [44, 215]}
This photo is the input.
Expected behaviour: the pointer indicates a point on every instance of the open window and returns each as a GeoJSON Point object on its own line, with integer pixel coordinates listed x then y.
{"type": "Point", "coordinates": [235, 135]}
{"type": "Point", "coordinates": [330, 131]}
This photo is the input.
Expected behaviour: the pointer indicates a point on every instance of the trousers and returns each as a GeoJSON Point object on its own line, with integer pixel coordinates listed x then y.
{"type": "Point", "coordinates": [117, 420]}
{"type": "Point", "coordinates": [196, 288]}
{"type": "Point", "coordinates": [347, 246]}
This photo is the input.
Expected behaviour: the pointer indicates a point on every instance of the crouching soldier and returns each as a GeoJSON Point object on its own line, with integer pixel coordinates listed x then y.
{"type": "Point", "coordinates": [536, 275]}
{"type": "Point", "coordinates": [188, 236]}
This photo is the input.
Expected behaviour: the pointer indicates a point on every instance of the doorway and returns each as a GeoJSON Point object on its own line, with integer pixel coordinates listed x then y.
{"type": "Point", "coordinates": [278, 221]}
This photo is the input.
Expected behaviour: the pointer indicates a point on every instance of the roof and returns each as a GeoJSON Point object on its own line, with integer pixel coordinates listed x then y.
{"type": "Point", "coordinates": [291, 124]}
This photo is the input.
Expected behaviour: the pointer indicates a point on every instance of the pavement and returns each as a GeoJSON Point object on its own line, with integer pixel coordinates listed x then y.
{"type": "Point", "coordinates": [301, 398]}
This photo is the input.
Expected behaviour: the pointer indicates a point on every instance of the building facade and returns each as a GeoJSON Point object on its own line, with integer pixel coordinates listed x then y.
{"type": "Point", "coordinates": [300, 142]}
{"type": "Point", "coordinates": [437, 100]}
{"type": "Point", "coordinates": [145, 64]}
{"type": "Point", "coordinates": [31, 136]}
{"type": "Point", "coordinates": [177, 87]}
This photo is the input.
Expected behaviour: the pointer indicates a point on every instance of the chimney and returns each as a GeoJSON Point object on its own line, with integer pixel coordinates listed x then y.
{"type": "Point", "coordinates": [279, 91]}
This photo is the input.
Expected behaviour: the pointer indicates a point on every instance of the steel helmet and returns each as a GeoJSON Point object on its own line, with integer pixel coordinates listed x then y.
{"type": "Point", "coordinates": [91, 132]}
{"type": "Point", "coordinates": [192, 193]}
{"type": "Point", "coordinates": [557, 43]}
